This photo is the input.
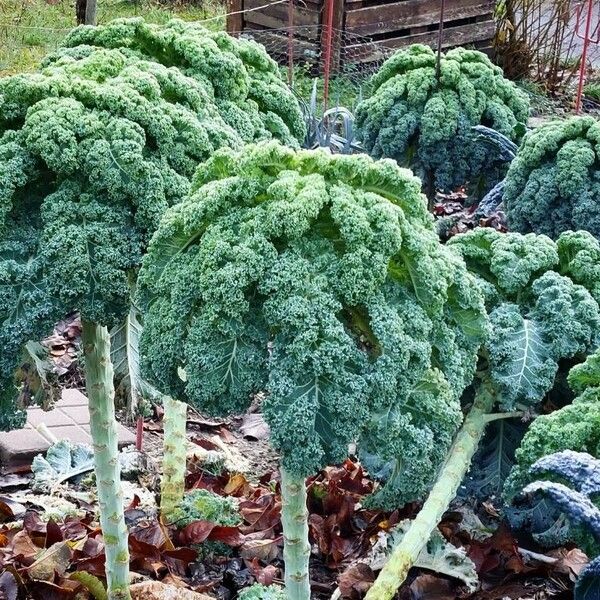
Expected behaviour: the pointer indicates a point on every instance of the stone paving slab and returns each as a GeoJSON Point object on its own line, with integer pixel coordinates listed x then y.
{"type": "Point", "coordinates": [69, 419]}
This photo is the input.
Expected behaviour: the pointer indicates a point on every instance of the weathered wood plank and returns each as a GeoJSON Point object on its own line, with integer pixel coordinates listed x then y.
{"type": "Point", "coordinates": [374, 20]}
{"type": "Point", "coordinates": [235, 21]}
{"type": "Point", "coordinates": [255, 20]}
{"type": "Point", "coordinates": [453, 36]}
{"type": "Point", "coordinates": [276, 15]}
{"type": "Point", "coordinates": [396, 23]}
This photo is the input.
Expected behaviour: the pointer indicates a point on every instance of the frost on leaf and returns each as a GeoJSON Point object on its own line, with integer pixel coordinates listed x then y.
{"type": "Point", "coordinates": [63, 461]}
{"type": "Point", "coordinates": [439, 556]}
{"type": "Point", "coordinates": [580, 473]}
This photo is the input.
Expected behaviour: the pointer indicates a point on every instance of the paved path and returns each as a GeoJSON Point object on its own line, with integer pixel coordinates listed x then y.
{"type": "Point", "coordinates": [69, 419]}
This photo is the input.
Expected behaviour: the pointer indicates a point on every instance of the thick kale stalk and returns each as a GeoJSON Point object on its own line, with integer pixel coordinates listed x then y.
{"type": "Point", "coordinates": [296, 551]}
{"type": "Point", "coordinates": [542, 301]}
{"type": "Point", "coordinates": [174, 458]}
{"type": "Point", "coordinates": [443, 492]}
{"type": "Point", "coordinates": [103, 425]}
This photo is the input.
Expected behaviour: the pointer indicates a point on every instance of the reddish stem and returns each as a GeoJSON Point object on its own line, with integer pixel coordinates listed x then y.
{"type": "Point", "coordinates": [139, 434]}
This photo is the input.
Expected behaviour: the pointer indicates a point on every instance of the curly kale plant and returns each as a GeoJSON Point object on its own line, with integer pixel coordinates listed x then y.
{"type": "Point", "coordinates": [571, 481]}
{"type": "Point", "coordinates": [204, 505]}
{"type": "Point", "coordinates": [425, 123]}
{"type": "Point", "coordinates": [320, 280]}
{"type": "Point", "coordinates": [552, 185]}
{"type": "Point", "coordinates": [237, 74]}
{"type": "Point", "coordinates": [574, 427]}
{"type": "Point", "coordinates": [540, 307]}
{"type": "Point", "coordinates": [92, 151]}
{"type": "Point", "coordinates": [540, 315]}
{"type": "Point", "coordinates": [262, 592]}
{"type": "Point", "coordinates": [94, 147]}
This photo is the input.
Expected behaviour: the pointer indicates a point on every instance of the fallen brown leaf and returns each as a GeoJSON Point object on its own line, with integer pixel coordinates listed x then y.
{"type": "Point", "coordinates": [264, 575]}
{"type": "Point", "coordinates": [156, 590]}
{"type": "Point", "coordinates": [265, 550]}
{"type": "Point", "coordinates": [64, 590]}
{"type": "Point", "coordinates": [199, 531]}
{"type": "Point", "coordinates": [498, 551]}
{"type": "Point", "coordinates": [10, 510]}
{"type": "Point", "coordinates": [430, 587]}
{"type": "Point", "coordinates": [226, 435]}
{"type": "Point", "coordinates": [570, 562]}
{"type": "Point", "coordinates": [53, 560]}
{"type": "Point", "coordinates": [196, 533]}
{"type": "Point", "coordinates": [24, 548]}
{"type": "Point", "coordinates": [356, 580]}
{"type": "Point", "coordinates": [255, 427]}
{"type": "Point", "coordinates": [261, 513]}
{"type": "Point", "coordinates": [236, 484]}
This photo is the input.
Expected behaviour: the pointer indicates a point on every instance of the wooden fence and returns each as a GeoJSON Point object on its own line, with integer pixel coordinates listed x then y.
{"type": "Point", "coordinates": [365, 30]}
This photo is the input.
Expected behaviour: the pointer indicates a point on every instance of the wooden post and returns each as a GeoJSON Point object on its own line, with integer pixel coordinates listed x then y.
{"type": "Point", "coordinates": [339, 10]}
{"type": "Point", "coordinates": [80, 11]}
{"type": "Point", "coordinates": [235, 16]}
{"type": "Point", "coordinates": [91, 8]}
{"type": "Point", "coordinates": [86, 12]}
{"type": "Point", "coordinates": [332, 38]}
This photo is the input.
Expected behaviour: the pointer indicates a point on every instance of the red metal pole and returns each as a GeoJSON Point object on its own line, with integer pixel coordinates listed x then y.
{"type": "Point", "coordinates": [328, 43]}
{"type": "Point", "coordinates": [586, 43]}
{"type": "Point", "coordinates": [291, 43]}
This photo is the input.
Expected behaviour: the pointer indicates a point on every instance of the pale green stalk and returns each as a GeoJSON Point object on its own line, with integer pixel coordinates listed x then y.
{"type": "Point", "coordinates": [296, 549]}
{"type": "Point", "coordinates": [452, 473]}
{"type": "Point", "coordinates": [103, 425]}
{"type": "Point", "coordinates": [174, 460]}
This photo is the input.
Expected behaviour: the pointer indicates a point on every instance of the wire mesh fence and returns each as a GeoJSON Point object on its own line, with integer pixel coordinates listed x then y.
{"type": "Point", "coordinates": [301, 52]}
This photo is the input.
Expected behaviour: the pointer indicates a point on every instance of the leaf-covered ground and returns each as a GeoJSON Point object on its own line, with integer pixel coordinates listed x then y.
{"type": "Point", "coordinates": [41, 559]}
